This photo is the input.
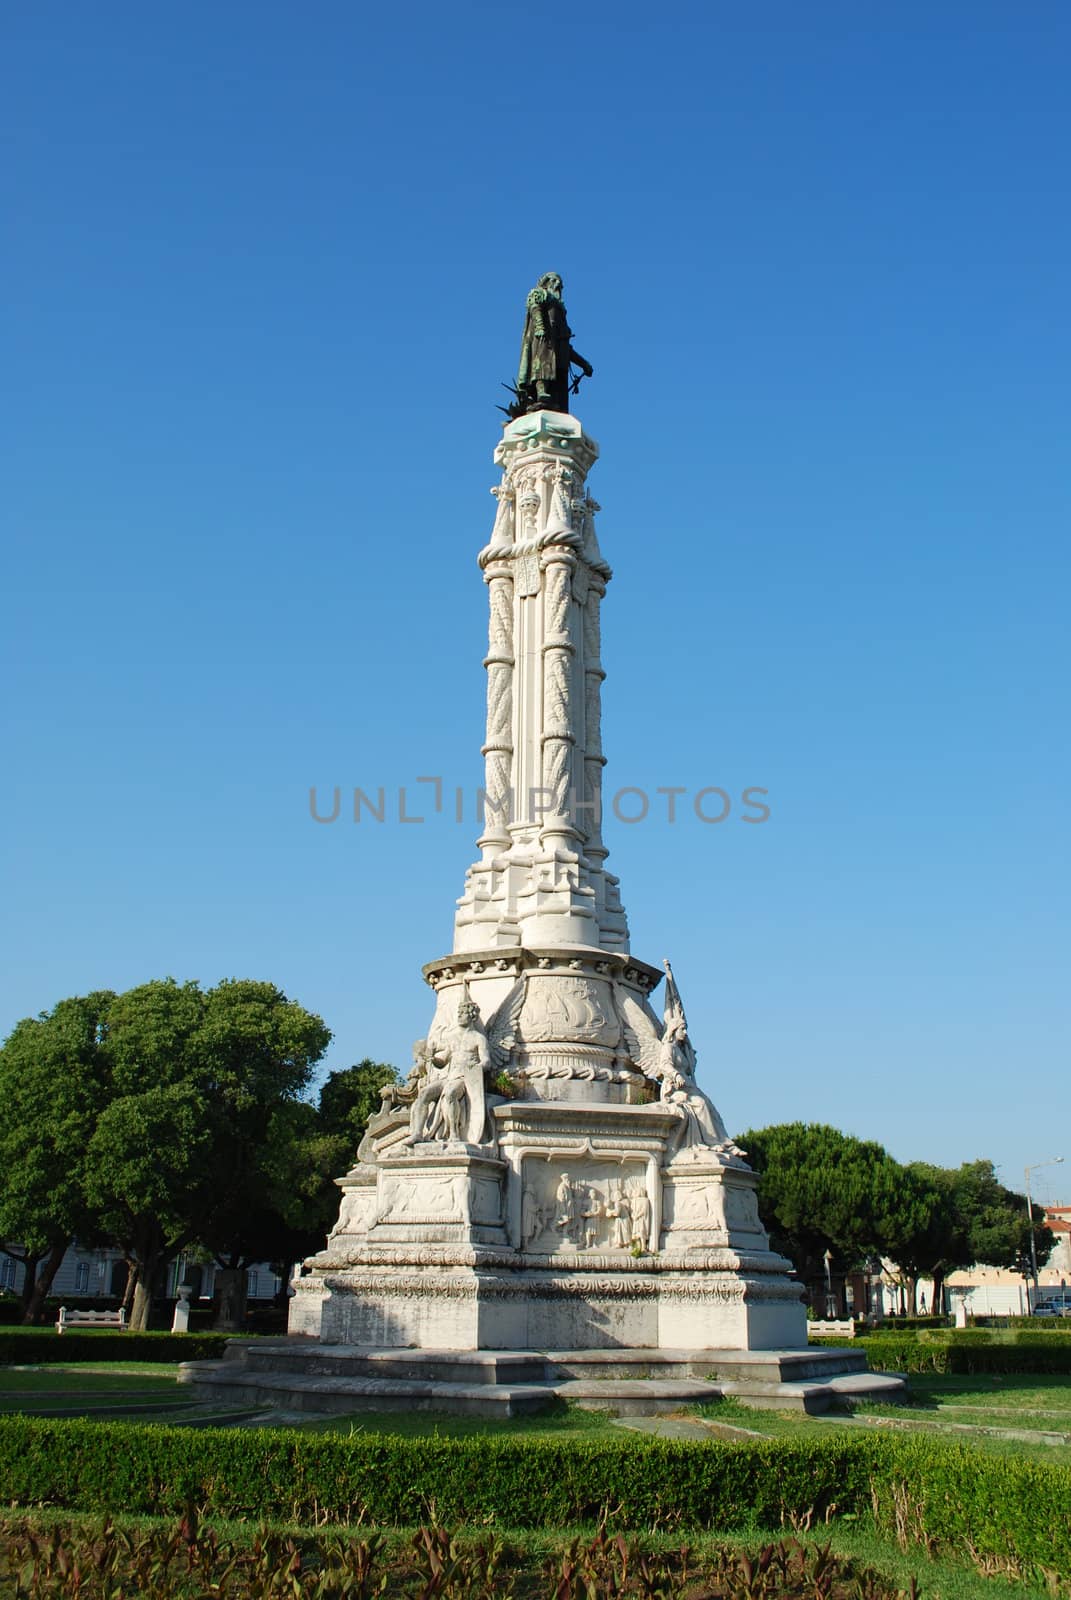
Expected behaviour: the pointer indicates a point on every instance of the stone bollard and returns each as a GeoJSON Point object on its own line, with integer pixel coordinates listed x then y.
{"type": "Point", "coordinates": [180, 1322]}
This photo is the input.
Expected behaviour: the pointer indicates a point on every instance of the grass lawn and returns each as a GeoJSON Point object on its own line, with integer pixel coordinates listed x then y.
{"type": "Point", "coordinates": [958, 1406]}
{"type": "Point", "coordinates": [1008, 1400]}
{"type": "Point", "coordinates": [83, 1389]}
{"type": "Point", "coordinates": [422, 1424]}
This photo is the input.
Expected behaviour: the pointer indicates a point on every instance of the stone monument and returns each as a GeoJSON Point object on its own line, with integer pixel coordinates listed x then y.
{"type": "Point", "coordinates": [551, 1176]}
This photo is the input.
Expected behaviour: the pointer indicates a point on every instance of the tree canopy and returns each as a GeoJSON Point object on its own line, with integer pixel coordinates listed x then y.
{"type": "Point", "coordinates": [172, 1101]}
{"type": "Point", "coordinates": [820, 1189]}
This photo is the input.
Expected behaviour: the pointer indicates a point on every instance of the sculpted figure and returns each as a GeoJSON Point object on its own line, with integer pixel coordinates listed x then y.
{"type": "Point", "coordinates": [569, 1205]}
{"type": "Point", "coordinates": [641, 1215]}
{"type": "Point", "coordinates": [620, 1215]}
{"type": "Point", "coordinates": [700, 1123]}
{"type": "Point", "coordinates": [450, 1101]}
{"type": "Point", "coordinates": [531, 1216]}
{"type": "Point", "coordinates": [593, 1213]}
{"type": "Point", "coordinates": [547, 352]}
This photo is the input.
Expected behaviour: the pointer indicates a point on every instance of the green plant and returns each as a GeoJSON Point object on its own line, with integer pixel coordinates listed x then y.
{"type": "Point", "coordinates": [191, 1562]}
{"type": "Point", "coordinates": [997, 1506]}
{"type": "Point", "coordinates": [37, 1346]}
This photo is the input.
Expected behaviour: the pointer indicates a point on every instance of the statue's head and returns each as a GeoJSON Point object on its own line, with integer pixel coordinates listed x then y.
{"type": "Point", "coordinates": [468, 1012]}
{"type": "Point", "coordinates": [553, 282]}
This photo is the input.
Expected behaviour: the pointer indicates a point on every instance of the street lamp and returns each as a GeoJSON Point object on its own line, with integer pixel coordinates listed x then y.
{"type": "Point", "coordinates": [1052, 1161]}
{"type": "Point", "coordinates": [871, 1269]}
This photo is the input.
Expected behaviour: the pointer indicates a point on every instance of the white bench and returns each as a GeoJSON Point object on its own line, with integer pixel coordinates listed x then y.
{"type": "Point", "coordinates": [832, 1329]}
{"type": "Point", "coordinates": [90, 1319]}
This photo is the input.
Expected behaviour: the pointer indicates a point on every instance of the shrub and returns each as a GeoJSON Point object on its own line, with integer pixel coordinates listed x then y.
{"type": "Point", "coordinates": [37, 1346]}
{"type": "Point", "coordinates": [949, 1495]}
{"type": "Point", "coordinates": [913, 1324]}
{"type": "Point", "coordinates": [967, 1353]}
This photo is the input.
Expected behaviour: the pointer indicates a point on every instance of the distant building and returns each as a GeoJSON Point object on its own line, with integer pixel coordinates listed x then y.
{"type": "Point", "coordinates": [88, 1274]}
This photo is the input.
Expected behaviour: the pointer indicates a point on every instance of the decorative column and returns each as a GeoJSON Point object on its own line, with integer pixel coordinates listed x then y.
{"type": "Point", "coordinates": [594, 760]}
{"type": "Point", "coordinates": [540, 880]}
{"type": "Point", "coordinates": [559, 736]}
{"type": "Point", "coordinates": [498, 748]}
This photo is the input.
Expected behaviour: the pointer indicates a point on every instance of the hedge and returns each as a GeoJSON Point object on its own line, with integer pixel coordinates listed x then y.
{"type": "Point", "coordinates": [965, 1355]}
{"type": "Point", "coordinates": [35, 1346]}
{"type": "Point", "coordinates": [1003, 1505]}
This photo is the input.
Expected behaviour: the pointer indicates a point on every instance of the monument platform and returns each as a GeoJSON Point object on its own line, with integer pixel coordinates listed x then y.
{"type": "Point", "coordinates": [304, 1375]}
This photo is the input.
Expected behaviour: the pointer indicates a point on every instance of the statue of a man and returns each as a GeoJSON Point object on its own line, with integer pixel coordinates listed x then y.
{"type": "Point", "coordinates": [547, 351]}
{"type": "Point", "coordinates": [450, 1103]}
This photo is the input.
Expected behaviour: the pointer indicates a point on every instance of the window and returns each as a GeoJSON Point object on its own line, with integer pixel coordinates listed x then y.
{"type": "Point", "coordinates": [251, 1285]}
{"type": "Point", "coordinates": [7, 1273]}
{"type": "Point", "coordinates": [81, 1278]}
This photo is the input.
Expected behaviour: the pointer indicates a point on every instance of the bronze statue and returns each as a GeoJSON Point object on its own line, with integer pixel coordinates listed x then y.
{"type": "Point", "coordinates": [543, 382]}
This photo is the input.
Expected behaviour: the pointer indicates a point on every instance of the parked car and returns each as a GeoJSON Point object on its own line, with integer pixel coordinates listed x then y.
{"type": "Point", "coordinates": [1058, 1307]}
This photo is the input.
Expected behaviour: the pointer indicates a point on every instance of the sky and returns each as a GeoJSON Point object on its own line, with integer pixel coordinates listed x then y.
{"type": "Point", "coordinates": [265, 271]}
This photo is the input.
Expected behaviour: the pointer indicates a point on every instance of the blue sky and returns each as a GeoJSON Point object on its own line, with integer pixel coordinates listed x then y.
{"type": "Point", "coordinates": [265, 270]}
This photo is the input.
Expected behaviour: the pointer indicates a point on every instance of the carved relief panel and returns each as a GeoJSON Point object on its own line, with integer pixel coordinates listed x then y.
{"type": "Point", "coordinates": [570, 1206]}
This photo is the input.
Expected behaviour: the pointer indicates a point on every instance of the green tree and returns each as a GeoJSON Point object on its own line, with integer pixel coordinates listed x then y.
{"type": "Point", "coordinates": [157, 1117]}
{"type": "Point", "coordinates": [982, 1222]}
{"type": "Point", "coordinates": [348, 1098]}
{"type": "Point", "coordinates": [196, 1082]}
{"type": "Point", "coordinates": [821, 1190]}
{"type": "Point", "coordinates": [290, 1199]}
{"type": "Point", "coordinates": [50, 1098]}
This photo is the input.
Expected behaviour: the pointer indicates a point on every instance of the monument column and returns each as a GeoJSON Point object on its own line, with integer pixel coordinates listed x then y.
{"type": "Point", "coordinates": [551, 1156]}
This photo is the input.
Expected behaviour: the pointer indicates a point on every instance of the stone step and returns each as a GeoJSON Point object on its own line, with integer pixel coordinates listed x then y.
{"type": "Point", "coordinates": [300, 1375]}
{"type": "Point", "coordinates": [438, 1366]}
{"type": "Point", "coordinates": [753, 1366]}
{"type": "Point", "coordinates": [636, 1397]}
{"type": "Point", "coordinates": [298, 1391]}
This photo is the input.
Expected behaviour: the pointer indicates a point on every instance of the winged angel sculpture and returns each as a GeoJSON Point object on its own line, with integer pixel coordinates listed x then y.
{"type": "Point", "coordinates": [671, 1061]}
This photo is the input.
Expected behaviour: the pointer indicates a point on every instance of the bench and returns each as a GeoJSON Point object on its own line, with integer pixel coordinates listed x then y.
{"type": "Point", "coordinates": [832, 1329]}
{"type": "Point", "coordinates": [90, 1319]}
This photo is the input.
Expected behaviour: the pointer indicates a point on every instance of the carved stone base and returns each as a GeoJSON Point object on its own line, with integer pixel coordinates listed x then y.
{"type": "Point", "coordinates": [589, 1229]}
{"type": "Point", "coordinates": [733, 1306]}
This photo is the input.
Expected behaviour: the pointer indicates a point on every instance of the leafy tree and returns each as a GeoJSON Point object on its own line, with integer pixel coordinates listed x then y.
{"type": "Point", "coordinates": [155, 1116]}
{"type": "Point", "coordinates": [981, 1221]}
{"type": "Point", "coordinates": [821, 1190]}
{"type": "Point", "coordinates": [182, 1152]}
{"type": "Point", "coordinates": [50, 1097]}
{"type": "Point", "coordinates": [348, 1098]}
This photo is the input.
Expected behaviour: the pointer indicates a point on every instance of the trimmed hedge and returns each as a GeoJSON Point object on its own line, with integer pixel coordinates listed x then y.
{"type": "Point", "coordinates": [911, 1324]}
{"type": "Point", "coordinates": [36, 1346]}
{"type": "Point", "coordinates": [963, 1354]}
{"type": "Point", "coordinates": [1004, 1505]}
{"type": "Point", "coordinates": [964, 1351]}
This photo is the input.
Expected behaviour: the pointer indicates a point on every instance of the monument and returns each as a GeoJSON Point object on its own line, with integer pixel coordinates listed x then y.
{"type": "Point", "coordinates": [551, 1177]}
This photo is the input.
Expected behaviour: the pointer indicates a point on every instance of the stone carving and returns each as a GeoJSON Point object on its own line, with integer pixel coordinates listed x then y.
{"type": "Point", "coordinates": [742, 1210]}
{"type": "Point", "coordinates": [547, 353]}
{"type": "Point", "coordinates": [450, 1103]}
{"type": "Point", "coordinates": [533, 1216]}
{"type": "Point", "coordinates": [568, 1008]}
{"type": "Point", "coordinates": [502, 533]}
{"type": "Point", "coordinates": [432, 1198]}
{"type": "Point", "coordinates": [498, 748]}
{"type": "Point", "coordinates": [699, 1121]}
{"type": "Point", "coordinates": [582, 1211]}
